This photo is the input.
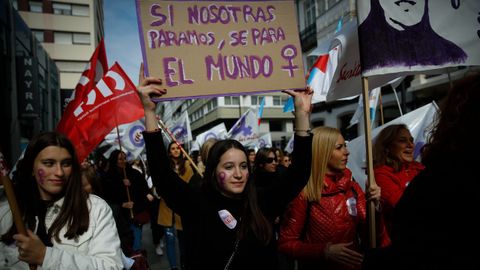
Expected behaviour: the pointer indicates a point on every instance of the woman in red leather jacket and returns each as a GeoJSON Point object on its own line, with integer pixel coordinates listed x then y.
{"type": "Point", "coordinates": [321, 226]}
{"type": "Point", "coordinates": [394, 166]}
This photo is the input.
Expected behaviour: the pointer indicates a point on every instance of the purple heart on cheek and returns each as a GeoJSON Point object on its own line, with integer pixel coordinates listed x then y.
{"type": "Point", "coordinates": [41, 176]}
{"type": "Point", "coordinates": [221, 178]}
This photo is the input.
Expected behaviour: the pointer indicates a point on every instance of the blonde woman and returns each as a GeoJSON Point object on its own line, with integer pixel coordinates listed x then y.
{"type": "Point", "coordinates": [321, 226]}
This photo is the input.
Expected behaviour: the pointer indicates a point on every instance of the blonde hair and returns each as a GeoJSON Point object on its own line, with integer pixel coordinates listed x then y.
{"type": "Point", "coordinates": [323, 144]}
{"type": "Point", "coordinates": [205, 149]}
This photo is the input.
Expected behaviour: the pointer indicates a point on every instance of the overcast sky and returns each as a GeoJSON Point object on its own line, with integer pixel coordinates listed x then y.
{"type": "Point", "coordinates": [121, 36]}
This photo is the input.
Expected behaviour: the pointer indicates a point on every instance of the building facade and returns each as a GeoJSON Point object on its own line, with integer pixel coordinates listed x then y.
{"type": "Point", "coordinates": [45, 46]}
{"type": "Point", "coordinates": [69, 30]}
{"type": "Point", "coordinates": [30, 95]}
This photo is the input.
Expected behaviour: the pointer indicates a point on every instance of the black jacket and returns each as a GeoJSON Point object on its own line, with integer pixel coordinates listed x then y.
{"type": "Point", "coordinates": [209, 242]}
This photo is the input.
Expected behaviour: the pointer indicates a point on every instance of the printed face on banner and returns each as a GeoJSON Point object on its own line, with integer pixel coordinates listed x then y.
{"type": "Point", "coordinates": [403, 13]}
{"type": "Point", "coordinates": [202, 48]}
{"type": "Point", "coordinates": [417, 35]}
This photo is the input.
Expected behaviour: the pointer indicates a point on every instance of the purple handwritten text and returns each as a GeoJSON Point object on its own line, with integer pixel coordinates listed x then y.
{"type": "Point", "coordinates": [267, 35]}
{"type": "Point", "coordinates": [237, 67]}
{"type": "Point", "coordinates": [170, 70]}
{"type": "Point", "coordinates": [229, 14]}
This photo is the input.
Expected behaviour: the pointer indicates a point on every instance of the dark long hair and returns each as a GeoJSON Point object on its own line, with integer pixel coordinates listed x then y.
{"type": "Point", "coordinates": [454, 136]}
{"type": "Point", "coordinates": [74, 212]}
{"type": "Point", "coordinates": [253, 219]}
{"type": "Point", "coordinates": [261, 158]}
{"type": "Point", "coordinates": [112, 162]}
{"type": "Point", "coordinates": [181, 161]}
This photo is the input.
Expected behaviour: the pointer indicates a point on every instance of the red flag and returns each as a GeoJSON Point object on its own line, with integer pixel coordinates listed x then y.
{"type": "Point", "coordinates": [94, 71]}
{"type": "Point", "coordinates": [113, 101]}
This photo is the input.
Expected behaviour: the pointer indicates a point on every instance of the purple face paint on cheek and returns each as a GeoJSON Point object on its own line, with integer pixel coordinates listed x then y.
{"type": "Point", "coordinates": [41, 176]}
{"type": "Point", "coordinates": [221, 178]}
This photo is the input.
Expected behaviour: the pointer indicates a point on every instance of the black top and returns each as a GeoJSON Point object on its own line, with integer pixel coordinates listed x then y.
{"type": "Point", "coordinates": [435, 224]}
{"type": "Point", "coordinates": [115, 191]}
{"type": "Point", "coordinates": [209, 242]}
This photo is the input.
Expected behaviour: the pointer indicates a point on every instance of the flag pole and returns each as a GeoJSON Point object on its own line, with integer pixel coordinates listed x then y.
{"type": "Point", "coordinates": [382, 120]}
{"type": "Point", "coordinates": [369, 153]}
{"type": "Point", "coordinates": [398, 101]}
{"type": "Point", "coordinates": [124, 169]}
{"type": "Point", "coordinates": [164, 128]}
{"type": "Point", "coordinates": [17, 215]}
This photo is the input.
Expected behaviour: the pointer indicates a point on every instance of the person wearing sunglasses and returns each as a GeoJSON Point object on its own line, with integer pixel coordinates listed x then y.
{"type": "Point", "coordinates": [265, 160]}
{"type": "Point", "coordinates": [268, 174]}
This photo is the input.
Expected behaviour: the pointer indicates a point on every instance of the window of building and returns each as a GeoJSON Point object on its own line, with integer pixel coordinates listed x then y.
{"type": "Point", "coordinates": [81, 38]}
{"type": "Point", "coordinates": [80, 10]}
{"type": "Point", "coordinates": [71, 9]}
{"type": "Point", "coordinates": [196, 115]}
{"type": "Point", "coordinates": [279, 100]}
{"type": "Point", "coordinates": [71, 66]}
{"type": "Point", "coordinates": [71, 38]}
{"type": "Point", "coordinates": [38, 35]}
{"type": "Point", "coordinates": [232, 100]}
{"type": "Point", "coordinates": [322, 6]}
{"type": "Point", "coordinates": [62, 38]}
{"type": "Point", "coordinates": [256, 100]}
{"type": "Point", "coordinates": [35, 6]}
{"type": "Point", "coordinates": [276, 125]}
{"type": "Point", "coordinates": [211, 105]}
{"type": "Point", "coordinates": [62, 9]}
{"type": "Point", "coordinates": [310, 15]}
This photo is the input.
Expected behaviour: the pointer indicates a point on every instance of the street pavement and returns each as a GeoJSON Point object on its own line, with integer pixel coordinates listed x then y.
{"type": "Point", "coordinates": [155, 261]}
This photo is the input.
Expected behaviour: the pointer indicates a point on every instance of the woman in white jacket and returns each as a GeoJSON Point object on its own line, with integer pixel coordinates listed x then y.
{"type": "Point", "coordinates": [66, 227]}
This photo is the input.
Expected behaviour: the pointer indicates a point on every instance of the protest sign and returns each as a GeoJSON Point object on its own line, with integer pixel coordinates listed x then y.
{"type": "Point", "coordinates": [215, 48]}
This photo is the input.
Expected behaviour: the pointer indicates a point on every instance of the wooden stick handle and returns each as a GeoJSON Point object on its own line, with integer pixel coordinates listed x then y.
{"type": "Point", "coordinates": [124, 171]}
{"type": "Point", "coordinates": [17, 215]}
{"type": "Point", "coordinates": [369, 156]}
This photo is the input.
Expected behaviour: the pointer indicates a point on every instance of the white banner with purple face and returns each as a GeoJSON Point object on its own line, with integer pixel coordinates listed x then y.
{"type": "Point", "coordinates": [245, 130]}
{"type": "Point", "coordinates": [417, 35]}
{"type": "Point", "coordinates": [265, 140]}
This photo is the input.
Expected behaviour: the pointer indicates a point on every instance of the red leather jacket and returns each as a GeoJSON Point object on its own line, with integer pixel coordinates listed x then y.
{"type": "Point", "coordinates": [330, 221]}
{"type": "Point", "coordinates": [393, 184]}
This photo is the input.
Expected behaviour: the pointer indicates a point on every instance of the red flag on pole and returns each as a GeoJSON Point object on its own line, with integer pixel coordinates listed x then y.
{"type": "Point", "coordinates": [94, 71]}
{"type": "Point", "coordinates": [113, 101]}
